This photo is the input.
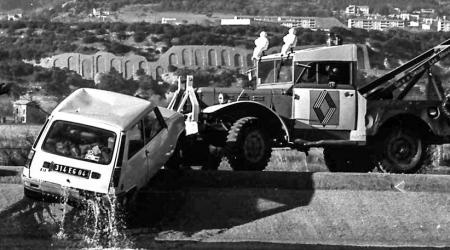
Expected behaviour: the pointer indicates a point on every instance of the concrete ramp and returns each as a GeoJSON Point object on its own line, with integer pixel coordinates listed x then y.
{"type": "Point", "coordinates": [252, 210]}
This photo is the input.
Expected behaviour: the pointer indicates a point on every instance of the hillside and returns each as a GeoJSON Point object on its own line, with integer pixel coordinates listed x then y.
{"type": "Point", "coordinates": [250, 7]}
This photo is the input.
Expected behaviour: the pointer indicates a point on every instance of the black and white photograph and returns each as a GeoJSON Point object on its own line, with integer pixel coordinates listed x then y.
{"type": "Point", "coordinates": [238, 124]}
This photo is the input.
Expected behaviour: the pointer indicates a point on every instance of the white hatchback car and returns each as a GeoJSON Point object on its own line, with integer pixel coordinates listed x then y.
{"type": "Point", "coordinates": [98, 142]}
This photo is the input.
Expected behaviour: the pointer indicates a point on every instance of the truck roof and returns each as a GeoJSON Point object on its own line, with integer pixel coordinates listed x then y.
{"type": "Point", "coordinates": [111, 108]}
{"type": "Point", "coordinates": [346, 52]}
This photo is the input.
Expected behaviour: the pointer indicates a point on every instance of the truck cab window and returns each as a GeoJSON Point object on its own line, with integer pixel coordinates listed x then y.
{"type": "Point", "coordinates": [275, 71]}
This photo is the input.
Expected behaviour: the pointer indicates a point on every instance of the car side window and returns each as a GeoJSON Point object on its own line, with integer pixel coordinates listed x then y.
{"type": "Point", "coordinates": [152, 125]}
{"type": "Point", "coordinates": [135, 138]}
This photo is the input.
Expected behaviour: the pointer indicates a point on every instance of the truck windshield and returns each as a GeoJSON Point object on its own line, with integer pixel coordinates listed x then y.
{"type": "Point", "coordinates": [275, 71]}
{"type": "Point", "coordinates": [80, 142]}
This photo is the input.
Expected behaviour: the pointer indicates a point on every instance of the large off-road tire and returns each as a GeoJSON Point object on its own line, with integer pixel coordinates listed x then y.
{"type": "Point", "coordinates": [401, 150]}
{"type": "Point", "coordinates": [248, 145]}
{"type": "Point", "coordinates": [348, 159]}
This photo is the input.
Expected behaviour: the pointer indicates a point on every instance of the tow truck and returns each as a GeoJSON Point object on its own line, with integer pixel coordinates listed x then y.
{"type": "Point", "coordinates": [320, 97]}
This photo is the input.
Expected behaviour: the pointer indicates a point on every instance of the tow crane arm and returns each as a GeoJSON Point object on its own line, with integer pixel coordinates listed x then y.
{"type": "Point", "coordinates": [409, 73]}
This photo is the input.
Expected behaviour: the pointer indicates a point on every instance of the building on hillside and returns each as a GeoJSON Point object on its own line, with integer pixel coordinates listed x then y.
{"type": "Point", "coordinates": [443, 25]}
{"type": "Point", "coordinates": [236, 21]}
{"type": "Point", "coordinates": [26, 111]}
{"type": "Point", "coordinates": [357, 10]}
{"type": "Point", "coordinates": [14, 17]}
{"type": "Point", "coordinates": [427, 11]}
{"type": "Point", "coordinates": [375, 24]}
{"type": "Point", "coordinates": [100, 14]}
{"type": "Point", "coordinates": [314, 23]}
{"type": "Point", "coordinates": [170, 20]}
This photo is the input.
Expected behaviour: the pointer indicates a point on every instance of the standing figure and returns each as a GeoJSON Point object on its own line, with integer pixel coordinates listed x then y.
{"type": "Point", "coordinates": [290, 41]}
{"type": "Point", "coordinates": [261, 45]}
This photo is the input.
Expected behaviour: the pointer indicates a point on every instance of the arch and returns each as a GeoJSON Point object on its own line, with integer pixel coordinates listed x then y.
{"type": "Point", "coordinates": [212, 59]}
{"type": "Point", "coordinates": [173, 59]}
{"type": "Point", "coordinates": [159, 71]}
{"type": "Point", "coordinates": [198, 60]}
{"type": "Point", "coordinates": [141, 65]}
{"type": "Point", "coordinates": [56, 63]}
{"type": "Point", "coordinates": [185, 57]}
{"type": "Point", "coordinates": [86, 68]}
{"type": "Point", "coordinates": [115, 63]}
{"type": "Point", "coordinates": [249, 60]}
{"type": "Point", "coordinates": [71, 63]}
{"type": "Point", "coordinates": [224, 58]}
{"type": "Point", "coordinates": [100, 64]}
{"type": "Point", "coordinates": [237, 60]}
{"type": "Point", "coordinates": [128, 69]}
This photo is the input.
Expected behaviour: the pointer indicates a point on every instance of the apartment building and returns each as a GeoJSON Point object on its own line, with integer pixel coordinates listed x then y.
{"type": "Point", "coordinates": [443, 25]}
{"type": "Point", "coordinates": [357, 10]}
{"type": "Point", "coordinates": [375, 24]}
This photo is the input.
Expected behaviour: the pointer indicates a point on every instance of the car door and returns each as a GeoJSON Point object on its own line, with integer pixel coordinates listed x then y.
{"type": "Point", "coordinates": [157, 146]}
{"type": "Point", "coordinates": [133, 175]}
{"type": "Point", "coordinates": [323, 96]}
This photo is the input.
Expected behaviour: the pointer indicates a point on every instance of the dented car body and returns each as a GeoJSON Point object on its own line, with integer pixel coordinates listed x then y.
{"type": "Point", "coordinates": [98, 142]}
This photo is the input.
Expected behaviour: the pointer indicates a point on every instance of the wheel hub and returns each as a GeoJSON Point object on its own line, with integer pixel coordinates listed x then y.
{"type": "Point", "coordinates": [402, 150]}
{"type": "Point", "coordinates": [254, 147]}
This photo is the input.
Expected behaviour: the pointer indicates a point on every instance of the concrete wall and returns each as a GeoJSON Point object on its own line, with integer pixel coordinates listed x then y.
{"type": "Point", "coordinates": [181, 56]}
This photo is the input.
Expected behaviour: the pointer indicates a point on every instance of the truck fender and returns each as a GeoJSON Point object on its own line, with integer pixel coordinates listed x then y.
{"type": "Point", "coordinates": [248, 108]}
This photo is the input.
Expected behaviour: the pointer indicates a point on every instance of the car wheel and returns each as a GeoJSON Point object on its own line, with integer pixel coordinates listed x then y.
{"type": "Point", "coordinates": [248, 145]}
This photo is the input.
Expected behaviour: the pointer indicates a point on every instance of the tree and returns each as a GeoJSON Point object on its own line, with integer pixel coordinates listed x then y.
{"type": "Point", "coordinates": [113, 81]}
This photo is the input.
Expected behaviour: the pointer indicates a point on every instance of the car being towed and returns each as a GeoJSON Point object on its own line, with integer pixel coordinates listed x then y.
{"type": "Point", "coordinates": [98, 142]}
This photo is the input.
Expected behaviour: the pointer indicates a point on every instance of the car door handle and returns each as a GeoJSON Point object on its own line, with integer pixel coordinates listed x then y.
{"type": "Point", "coordinates": [348, 94]}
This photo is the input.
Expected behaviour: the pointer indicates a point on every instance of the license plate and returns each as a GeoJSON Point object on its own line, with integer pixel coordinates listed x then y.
{"type": "Point", "coordinates": [67, 170]}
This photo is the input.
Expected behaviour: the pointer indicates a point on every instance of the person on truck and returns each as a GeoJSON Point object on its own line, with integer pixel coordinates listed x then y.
{"type": "Point", "coordinates": [290, 41]}
{"type": "Point", "coordinates": [261, 45]}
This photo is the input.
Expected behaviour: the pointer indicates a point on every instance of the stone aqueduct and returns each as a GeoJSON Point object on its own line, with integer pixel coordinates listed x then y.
{"type": "Point", "coordinates": [181, 56]}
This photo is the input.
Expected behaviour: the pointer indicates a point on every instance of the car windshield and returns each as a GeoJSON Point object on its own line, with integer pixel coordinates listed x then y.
{"type": "Point", "coordinates": [80, 142]}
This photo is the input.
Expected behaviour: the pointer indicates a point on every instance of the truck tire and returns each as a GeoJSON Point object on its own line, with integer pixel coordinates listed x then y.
{"type": "Point", "coordinates": [348, 159]}
{"type": "Point", "coordinates": [401, 150]}
{"type": "Point", "coordinates": [248, 146]}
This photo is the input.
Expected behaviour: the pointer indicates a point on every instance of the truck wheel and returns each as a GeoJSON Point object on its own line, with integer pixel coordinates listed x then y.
{"type": "Point", "coordinates": [401, 151]}
{"type": "Point", "coordinates": [348, 159]}
{"type": "Point", "coordinates": [248, 146]}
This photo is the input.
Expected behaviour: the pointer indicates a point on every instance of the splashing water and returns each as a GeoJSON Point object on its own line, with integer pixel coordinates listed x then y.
{"type": "Point", "coordinates": [97, 224]}
{"type": "Point", "coordinates": [61, 235]}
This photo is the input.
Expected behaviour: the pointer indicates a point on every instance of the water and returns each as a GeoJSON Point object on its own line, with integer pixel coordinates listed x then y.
{"type": "Point", "coordinates": [98, 224]}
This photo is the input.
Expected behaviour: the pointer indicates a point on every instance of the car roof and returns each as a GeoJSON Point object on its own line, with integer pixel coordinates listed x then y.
{"type": "Point", "coordinates": [107, 107]}
{"type": "Point", "coordinates": [346, 52]}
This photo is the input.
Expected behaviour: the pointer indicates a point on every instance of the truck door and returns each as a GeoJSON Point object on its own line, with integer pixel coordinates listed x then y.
{"type": "Point", "coordinates": [324, 96]}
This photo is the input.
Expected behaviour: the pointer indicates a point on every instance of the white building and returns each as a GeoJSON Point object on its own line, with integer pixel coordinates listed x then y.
{"type": "Point", "coordinates": [375, 24]}
{"type": "Point", "coordinates": [323, 23]}
{"type": "Point", "coordinates": [443, 25]}
{"type": "Point", "coordinates": [427, 11]}
{"type": "Point", "coordinates": [14, 17]}
{"type": "Point", "coordinates": [236, 21]}
{"type": "Point", "coordinates": [357, 10]}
